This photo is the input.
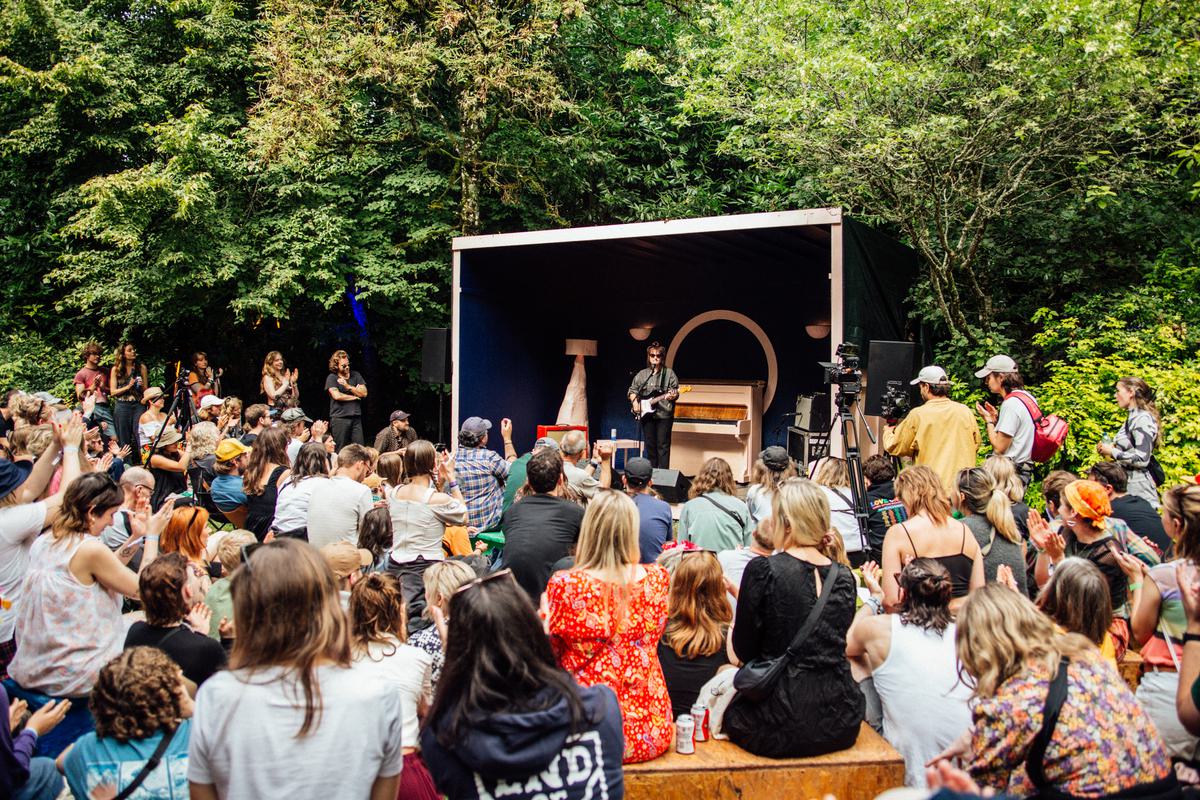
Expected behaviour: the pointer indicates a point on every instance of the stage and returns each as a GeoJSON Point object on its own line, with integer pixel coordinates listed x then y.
{"type": "Point", "coordinates": [751, 300]}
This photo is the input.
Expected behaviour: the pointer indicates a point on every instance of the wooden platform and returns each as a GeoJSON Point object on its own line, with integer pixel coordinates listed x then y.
{"type": "Point", "coordinates": [1130, 666]}
{"type": "Point", "coordinates": [723, 771]}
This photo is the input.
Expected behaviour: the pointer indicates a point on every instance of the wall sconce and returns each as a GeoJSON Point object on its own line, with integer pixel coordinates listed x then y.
{"type": "Point", "coordinates": [640, 334]}
{"type": "Point", "coordinates": [818, 330]}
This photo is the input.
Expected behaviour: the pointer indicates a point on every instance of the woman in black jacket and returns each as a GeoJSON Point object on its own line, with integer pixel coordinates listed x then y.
{"type": "Point", "coordinates": [815, 707]}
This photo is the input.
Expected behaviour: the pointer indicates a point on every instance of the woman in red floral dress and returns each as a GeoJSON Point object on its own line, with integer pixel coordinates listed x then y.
{"type": "Point", "coordinates": [605, 617]}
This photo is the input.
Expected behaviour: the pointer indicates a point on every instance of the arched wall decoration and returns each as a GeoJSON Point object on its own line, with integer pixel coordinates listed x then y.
{"type": "Point", "coordinates": [745, 322]}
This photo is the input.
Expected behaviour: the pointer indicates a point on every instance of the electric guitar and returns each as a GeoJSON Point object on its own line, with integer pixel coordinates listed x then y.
{"type": "Point", "coordinates": [647, 405]}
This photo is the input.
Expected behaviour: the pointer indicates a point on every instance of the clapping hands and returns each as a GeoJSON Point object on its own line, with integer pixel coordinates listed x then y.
{"type": "Point", "coordinates": [1044, 538]}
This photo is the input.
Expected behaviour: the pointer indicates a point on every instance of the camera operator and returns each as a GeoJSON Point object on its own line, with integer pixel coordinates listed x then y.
{"type": "Point", "coordinates": [940, 433]}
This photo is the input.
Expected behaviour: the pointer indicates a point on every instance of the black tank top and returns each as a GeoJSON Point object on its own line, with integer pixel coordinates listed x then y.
{"type": "Point", "coordinates": [260, 508]}
{"type": "Point", "coordinates": [959, 565]}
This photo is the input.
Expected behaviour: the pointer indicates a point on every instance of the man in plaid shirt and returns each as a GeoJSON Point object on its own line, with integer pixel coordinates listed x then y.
{"type": "Point", "coordinates": [482, 472]}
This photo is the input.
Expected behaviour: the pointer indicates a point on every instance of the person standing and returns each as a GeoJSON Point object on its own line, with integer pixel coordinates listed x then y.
{"type": "Point", "coordinates": [1133, 446]}
{"type": "Point", "coordinates": [126, 382]}
{"type": "Point", "coordinates": [1009, 429]}
{"type": "Point", "coordinates": [92, 381]}
{"type": "Point", "coordinates": [203, 380]}
{"type": "Point", "coordinates": [346, 390]}
{"type": "Point", "coordinates": [279, 385]}
{"type": "Point", "coordinates": [397, 436]}
{"type": "Point", "coordinates": [940, 433]}
{"type": "Point", "coordinates": [656, 383]}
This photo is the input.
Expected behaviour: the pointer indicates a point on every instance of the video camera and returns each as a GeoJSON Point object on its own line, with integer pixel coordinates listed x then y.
{"type": "Point", "coordinates": [845, 373]}
{"type": "Point", "coordinates": [896, 400]}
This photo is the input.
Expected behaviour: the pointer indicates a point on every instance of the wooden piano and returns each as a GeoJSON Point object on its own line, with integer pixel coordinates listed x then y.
{"type": "Point", "coordinates": [718, 418]}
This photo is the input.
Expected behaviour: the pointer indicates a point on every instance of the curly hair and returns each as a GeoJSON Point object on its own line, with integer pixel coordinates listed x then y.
{"type": "Point", "coordinates": [160, 588]}
{"type": "Point", "coordinates": [714, 475]}
{"type": "Point", "coordinates": [335, 360]}
{"type": "Point", "coordinates": [377, 611]}
{"type": "Point", "coordinates": [136, 695]}
{"type": "Point", "coordinates": [204, 439]}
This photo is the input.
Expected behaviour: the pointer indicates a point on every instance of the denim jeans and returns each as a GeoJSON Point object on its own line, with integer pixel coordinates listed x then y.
{"type": "Point", "coordinates": [125, 417]}
{"type": "Point", "coordinates": [44, 781]}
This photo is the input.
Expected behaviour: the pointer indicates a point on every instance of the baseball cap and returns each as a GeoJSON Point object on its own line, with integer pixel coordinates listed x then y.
{"type": "Point", "coordinates": [397, 415]}
{"type": "Point", "coordinates": [546, 443]}
{"type": "Point", "coordinates": [210, 400]}
{"type": "Point", "coordinates": [997, 364]}
{"type": "Point", "coordinates": [344, 558]}
{"type": "Point", "coordinates": [230, 449]}
{"type": "Point", "coordinates": [476, 425]}
{"type": "Point", "coordinates": [294, 414]}
{"type": "Point", "coordinates": [933, 375]}
{"type": "Point", "coordinates": [776, 458]}
{"type": "Point", "coordinates": [11, 477]}
{"type": "Point", "coordinates": [639, 469]}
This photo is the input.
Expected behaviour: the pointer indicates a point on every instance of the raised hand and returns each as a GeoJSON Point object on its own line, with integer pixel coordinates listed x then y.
{"type": "Point", "coordinates": [159, 521]}
{"type": "Point", "coordinates": [16, 712]}
{"type": "Point", "coordinates": [872, 575]}
{"type": "Point", "coordinates": [199, 618]}
{"type": "Point", "coordinates": [225, 628]}
{"type": "Point", "coordinates": [71, 432]}
{"type": "Point", "coordinates": [987, 411]}
{"type": "Point", "coordinates": [1005, 577]}
{"type": "Point", "coordinates": [46, 718]}
{"type": "Point", "coordinates": [104, 463]}
{"type": "Point", "coordinates": [319, 429]}
{"type": "Point", "coordinates": [506, 428]}
{"type": "Point", "coordinates": [1132, 566]}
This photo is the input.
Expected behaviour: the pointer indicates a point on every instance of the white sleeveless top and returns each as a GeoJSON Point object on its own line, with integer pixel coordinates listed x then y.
{"type": "Point", "coordinates": [418, 528]}
{"type": "Point", "coordinates": [65, 631]}
{"type": "Point", "coordinates": [924, 703]}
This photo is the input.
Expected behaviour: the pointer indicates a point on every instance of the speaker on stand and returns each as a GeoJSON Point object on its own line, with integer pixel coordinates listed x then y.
{"type": "Point", "coordinates": [435, 368]}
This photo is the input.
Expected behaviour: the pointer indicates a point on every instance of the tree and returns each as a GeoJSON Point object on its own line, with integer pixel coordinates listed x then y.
{"type": "Point", "coordinates": [946, 118]}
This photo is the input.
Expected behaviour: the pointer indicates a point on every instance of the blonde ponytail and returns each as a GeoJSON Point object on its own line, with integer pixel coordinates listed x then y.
{"type": "Point", "coordinates": [981, 495]}
{"type": "Point", "coordinates": [999, 514]}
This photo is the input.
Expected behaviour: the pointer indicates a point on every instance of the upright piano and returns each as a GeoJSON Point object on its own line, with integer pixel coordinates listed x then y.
{"type": "Point", "coordinates": [718, 418]}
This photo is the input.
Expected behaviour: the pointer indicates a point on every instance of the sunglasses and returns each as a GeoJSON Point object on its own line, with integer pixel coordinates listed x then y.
{"type": "Point", "coordinates": [504, 573]}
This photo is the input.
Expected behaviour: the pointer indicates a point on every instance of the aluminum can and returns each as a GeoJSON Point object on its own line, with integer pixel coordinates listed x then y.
{"type": "Point", "coordinates": [700, 717]}
{"type": "Point", "coordinates": [685, 731]}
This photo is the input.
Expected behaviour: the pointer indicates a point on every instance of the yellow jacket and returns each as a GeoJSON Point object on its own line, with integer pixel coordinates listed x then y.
{"type": "Point", "coordinates": [940, 434]}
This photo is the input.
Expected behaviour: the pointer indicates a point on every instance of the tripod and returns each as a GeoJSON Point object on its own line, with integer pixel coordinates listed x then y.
{"type": "Point", "coordinates": [182, 399]}
{"type": "Point", "coordinates": [858, 488]}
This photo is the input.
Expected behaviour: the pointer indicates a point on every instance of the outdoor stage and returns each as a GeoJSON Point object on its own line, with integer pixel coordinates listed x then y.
{"type": "Point", "coordinates": [736, 299]}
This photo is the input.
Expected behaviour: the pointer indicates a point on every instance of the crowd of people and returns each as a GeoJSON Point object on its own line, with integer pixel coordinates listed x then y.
{"type": "Point", "coordinates": [236, 601]}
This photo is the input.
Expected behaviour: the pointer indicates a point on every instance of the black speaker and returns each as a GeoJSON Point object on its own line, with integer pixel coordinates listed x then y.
{"type": "Point", "coordinates": [889, 364]}
{"type": "Point", "coordinates": [435, 356]}
{"type": "Point", "coordinates": [671, 484]}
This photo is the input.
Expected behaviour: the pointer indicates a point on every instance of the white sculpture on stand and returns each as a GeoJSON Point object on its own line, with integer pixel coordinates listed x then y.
{"type": "Point", "coordinates": [573, 410]}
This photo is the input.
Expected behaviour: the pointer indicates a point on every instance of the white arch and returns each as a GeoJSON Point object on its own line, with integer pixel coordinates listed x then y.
{"type": "Point", "coordinates": [748, 324]}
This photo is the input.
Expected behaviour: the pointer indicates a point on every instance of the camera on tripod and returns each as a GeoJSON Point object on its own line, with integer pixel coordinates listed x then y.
{"type": "Point", "coordinates": [846, 372]}
{"type": "Point", "coordinates": [896, 400]}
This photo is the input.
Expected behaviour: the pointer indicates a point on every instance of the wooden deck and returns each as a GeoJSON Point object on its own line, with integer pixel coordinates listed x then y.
{"type": "Point", "coordinates": [723, 771]}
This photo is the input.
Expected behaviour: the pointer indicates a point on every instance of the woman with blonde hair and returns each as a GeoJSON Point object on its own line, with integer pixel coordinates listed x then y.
{"type": "Point", "coordinates": [929, 532]}
{"type": "Point", "coordinates": [378, 639]}
{"type": "Point", "coordinates": [441, 581]}
{"type": "Point", "coordinates": [833, 476]}
{"type": "Point", "coordinates": [1133, 446]}
{"type": "Point", "coordinates": [290, 718]}
{"type": "Point", "coordinates": [778, 595]}
{"type": "Point", "coordinates": [605, 617]}
{"type": "Point", "coordinates": [279, 385]}
{"type": "Point", "coordinates": [1029, 675]}
{"type": "Point", "coordinates": [692, 648]}
{"type": "Point", "coordinates": [987, 512]}
{"type": "Point", "coordinates": [714, 517]}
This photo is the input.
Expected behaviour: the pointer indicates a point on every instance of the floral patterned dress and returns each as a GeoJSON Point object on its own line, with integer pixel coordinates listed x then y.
{"type": "Point", "coordinates": [1104, 742]}
{"type": "Point", "coordinates": [623, 655]}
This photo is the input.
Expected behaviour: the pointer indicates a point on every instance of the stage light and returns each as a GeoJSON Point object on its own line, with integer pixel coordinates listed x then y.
{"type": "Point", "coordinates": [640, 334]}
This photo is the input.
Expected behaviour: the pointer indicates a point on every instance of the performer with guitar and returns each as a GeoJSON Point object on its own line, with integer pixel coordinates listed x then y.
{"type": "Point", "coordinates": [652, 396]}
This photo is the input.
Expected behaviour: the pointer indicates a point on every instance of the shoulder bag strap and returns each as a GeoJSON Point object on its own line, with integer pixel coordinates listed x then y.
{"type": "Point", "coordinates": [1035, 758]}
{"type": "Point", "coordinates": [815, 614]}
{"type": "Point", "coordinates": [728, 511]}
{"type": "Point", "coordinates": [1030, 404]}
{"type": "Point", "coordinates": [149, 766]}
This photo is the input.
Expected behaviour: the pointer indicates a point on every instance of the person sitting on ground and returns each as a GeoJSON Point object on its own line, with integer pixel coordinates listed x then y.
{"type": "Point", "coordinates": [583, 475]}
{"type": "Point", "coordinates": [516, 470]}
{"type": "Point", "coordinates": [229, 418]}
{"type": "Point", "coordinates": [137, 484]}
{"type": "Point", "coordinates": [420, 515]}
{"type": "Point", "coordinates": [1013, 653]}
{"type": "Point", "coordinates": [153, 419]}
{"type": "Point", "coordinates": [775, 599]}
{"type": "Point", "coordinates": [605, 617]}
{"type": "Point", "coordinates": [398, 434]}
{"type": "Point", "coordinates": [772, 467]}
{"type": "Point", "coordinates": [1133, 446]}
{"type": "Point", "coordinates": [375, 535]}
{"type": "Point", "coordinates": [337, 506]}
{"type": "Point", "coordinates": [655, 524]}
{"type": "Point", "coordinates": [297, 423]}
{"type": "Point", "coordinates": [1139, 515]}
{"type": "Point", "coordinates": [714, 517]}
{"type": "Point", "coordinates": [210, 409]}
{"type": "Point", "coordinates": [833, 476]}
{"type": "Point", "coordinates": [71, 569]}
{"type": "Point", "coordinates": [349, 564]}
{"type": "Point", "coordinates": [381, 655]}
{"type": "Point", "coordinates": [929, 532]}
{"type": "Point", "coordinates": [1089, 533]}
{"type": "Point", "coordinates": [987, 511]}
{"type": "Point", "coordinates": [525, 721]}
{"type": "Point", "coordinates": [204, 438]}
{"type": "Point", "coordinates": [1004, 473]}
{"type": "Point", "coordinates": [883, 509]}
{"type": "Point", "coordinates": [310, 470]}
{"type": "Point", "coordinates": [441, 580]}
{"type": "Point", "coordinates": [24, 776]}
{"type": "Point", "coordinates": [187, 533]}
{"type": "Point", "coordinates": [258, 419]}
{"type": "Point", "coordinates": [228, 493]}
{"type": "Point", "coordinates": [279, 385]}
{"type": "Point", "coordinates": [1158, 621]}
{"type": "Point", "coordinates": [169, 465]}
{"type": "Point", "coordinates": [733, 562]}
{"type": "Point", "coordinates": [483, 473]}
{"type": "Point", "coordinates": [140, 698]}
{"type": "Point", "coordinates": [910, 655]}
{"type": "Point", "coordinates": [290, 718]}
{"type": "Point", "coordinates": [940, 433]}
{"type": "Point", "coordinates": [692, 647]}
{"type": "Point", "coordinates": [266, 471]}
{"type": "Point", "coordinates": [229, 556]}
{"type": "Point", "coordinates": [1076, 597]}
{"type": "Point", "coordinates": [390, 469]}
{"type": "Point", "coordinates": [540, 529]}
{"type": "Point", "coordinates": [177, 621]}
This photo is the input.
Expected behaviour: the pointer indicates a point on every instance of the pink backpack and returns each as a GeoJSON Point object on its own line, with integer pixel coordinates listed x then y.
{"type": "Point", "coordinates": [1049, 431]}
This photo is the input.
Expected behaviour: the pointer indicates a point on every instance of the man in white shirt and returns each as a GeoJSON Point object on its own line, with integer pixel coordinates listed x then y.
{"type": "Point", "coordinates": [581, 473]}
{"type": "Point", "coordinates": [1010, 430]}
{"type": "Point", "coordinates": [337, 507]}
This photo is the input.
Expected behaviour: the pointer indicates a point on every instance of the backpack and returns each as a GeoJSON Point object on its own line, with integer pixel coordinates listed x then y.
{"type": "Point", "coordinates": [1049, 430]}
